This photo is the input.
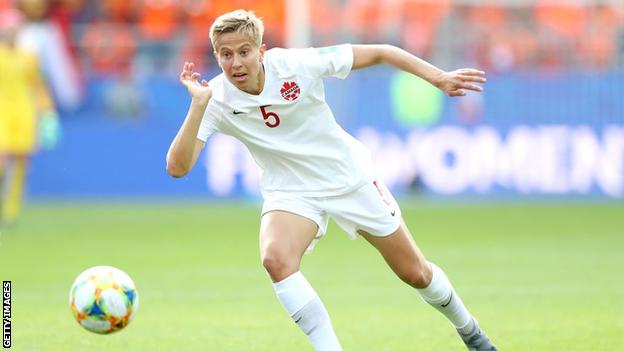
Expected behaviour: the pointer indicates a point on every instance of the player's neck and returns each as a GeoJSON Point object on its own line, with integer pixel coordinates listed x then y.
{"type": "Point", "coordinates": [9, 44]}
{"type": "Point", "coordinates": [259, 86]}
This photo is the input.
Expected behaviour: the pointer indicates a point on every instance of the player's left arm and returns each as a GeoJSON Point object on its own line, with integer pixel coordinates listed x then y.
{"type": "Point", "coordinates": [454, 83]}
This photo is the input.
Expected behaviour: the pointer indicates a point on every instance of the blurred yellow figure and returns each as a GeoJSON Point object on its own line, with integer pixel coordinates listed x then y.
{"type": "Point", "coordinates": [27, 115]}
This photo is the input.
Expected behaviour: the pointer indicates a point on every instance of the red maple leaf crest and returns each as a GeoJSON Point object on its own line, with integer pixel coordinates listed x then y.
{"type": "Point", "coordinates": [290, 91]}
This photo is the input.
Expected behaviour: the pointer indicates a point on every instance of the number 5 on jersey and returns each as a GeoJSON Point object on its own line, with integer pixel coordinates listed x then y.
{"type": "Point", "coordinates": [271, 119]}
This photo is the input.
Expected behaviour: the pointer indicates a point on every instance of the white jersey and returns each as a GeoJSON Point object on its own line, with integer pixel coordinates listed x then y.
{"type": "Point", "coordinates": [289, 129]}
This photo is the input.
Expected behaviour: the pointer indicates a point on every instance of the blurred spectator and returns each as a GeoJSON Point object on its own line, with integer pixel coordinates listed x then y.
{"type": "Point", "coordinates": [522, 37]}
{"type": "Point", "coordinates": [596, 45]}
{"type": "Point", "coordinates": [358, 20]}
{"type": "Point", "coordinates": [109, 47]}
{"type": "Point", "coordinates": [108, 41]}
{"type": "Point", "coordinates": [558, 25]}
{"type": "Point", "coordinates": [119, 11]}
{"type": "Point", "coordinates": [158, 23]}
{"type": "Point", "coordinates": [158, 19]}
{"type": "Point", "coordinates": [420, 24]}
{"type": "Point", "coordinates": [45, 38]}
{"type": "Point", "coordinates": [564, 18]}
{"type": "Point", "coordinates": [325, 14]}
{"type": "Point", "coordinates": [199, 16]}
{"type": "Point", "coordinates": [63, 14]}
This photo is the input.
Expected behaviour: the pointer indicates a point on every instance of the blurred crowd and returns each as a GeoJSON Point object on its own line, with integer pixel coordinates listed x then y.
{"type": "Point", "coordinates": [534, 34]}
{"type": "Point", "coordinates": [125, 37]}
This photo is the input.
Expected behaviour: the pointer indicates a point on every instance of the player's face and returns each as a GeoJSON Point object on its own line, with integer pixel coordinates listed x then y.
{"type": "Point", "coordinates": [241, 61]}
{"type": "Point", "coordinates": [9, 33]}
{"type": "Point", "coordinates": [10, 24]}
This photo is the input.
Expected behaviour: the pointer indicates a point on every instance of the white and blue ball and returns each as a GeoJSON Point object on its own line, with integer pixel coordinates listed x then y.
{"type": "Point", "coordinates": [103, 299]}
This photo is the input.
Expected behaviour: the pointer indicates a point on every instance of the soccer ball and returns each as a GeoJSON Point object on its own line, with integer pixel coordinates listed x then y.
{"type": "Point", "coordinates": [103, 299]}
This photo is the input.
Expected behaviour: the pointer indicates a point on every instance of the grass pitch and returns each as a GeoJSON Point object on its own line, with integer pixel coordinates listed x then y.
{"type": "Point", "coordinates": [538, 277]}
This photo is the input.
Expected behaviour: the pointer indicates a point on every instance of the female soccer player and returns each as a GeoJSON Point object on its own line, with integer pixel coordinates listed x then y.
{"type": "Point", "coordinates": [27, 115]}
{"type": "Point", "coordinates": [273, 102]}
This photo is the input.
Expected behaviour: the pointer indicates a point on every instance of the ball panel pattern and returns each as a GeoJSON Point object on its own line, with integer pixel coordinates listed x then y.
{"type": "Point", "coordinates": [103, 299]}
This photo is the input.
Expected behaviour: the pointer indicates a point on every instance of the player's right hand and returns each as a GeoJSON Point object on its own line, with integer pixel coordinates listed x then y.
{"type": "Point", "coordinates": [200, 92]}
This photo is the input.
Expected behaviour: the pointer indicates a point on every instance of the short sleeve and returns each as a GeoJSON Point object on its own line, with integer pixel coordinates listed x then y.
{"type": "Point", "coordinates": [330, 61]}
{"type": "Point", "coordinates": [209, 123]}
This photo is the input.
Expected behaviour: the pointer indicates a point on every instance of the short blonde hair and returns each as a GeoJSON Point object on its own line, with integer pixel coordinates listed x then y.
{"type": "Point", "coordinates": [241, 21]}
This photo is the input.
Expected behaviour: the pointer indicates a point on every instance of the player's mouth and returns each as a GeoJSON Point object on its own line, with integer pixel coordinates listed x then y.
{"type": "Point", "coordinates": [239, 77]}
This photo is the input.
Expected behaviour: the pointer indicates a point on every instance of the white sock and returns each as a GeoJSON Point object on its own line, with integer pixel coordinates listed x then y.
{"type": "Point", "coordinates": [441, 295]}
{"type": "Point", "coordinates": [305, 307]}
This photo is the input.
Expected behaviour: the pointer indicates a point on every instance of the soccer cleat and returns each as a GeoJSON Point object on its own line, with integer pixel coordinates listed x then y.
{"type": "Point", "coordinates": [476, 340]}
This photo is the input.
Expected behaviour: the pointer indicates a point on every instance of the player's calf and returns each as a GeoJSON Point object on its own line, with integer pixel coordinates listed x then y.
{"type": "Point", "coordinates": [416, 277]}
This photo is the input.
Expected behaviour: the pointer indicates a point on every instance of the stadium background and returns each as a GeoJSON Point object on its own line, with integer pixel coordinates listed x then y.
{"type": "Point", "coordinates": [516, 192]}
{"type": "Point", "coordinates": [119, 94]}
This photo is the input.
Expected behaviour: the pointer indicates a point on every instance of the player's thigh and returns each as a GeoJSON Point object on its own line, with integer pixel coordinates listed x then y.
{"type": "Point", "coordinates": [18, 135]}
{"type": "Point", "coordinates": [285, 235]}
{"type": "Point", "coordinates": [401, 253]}
{"type": "Point", "coordinates": [371, 208]}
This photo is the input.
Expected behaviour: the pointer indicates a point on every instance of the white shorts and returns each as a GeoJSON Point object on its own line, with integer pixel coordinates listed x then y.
{"type": "Point", "coordinates": [370, 208]}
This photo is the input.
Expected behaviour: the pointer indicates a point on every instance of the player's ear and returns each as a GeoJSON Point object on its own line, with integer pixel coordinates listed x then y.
{"type": "Point", "coordinates": [216, 55]}
{"type": "Point", "coordinates": [262, 49]}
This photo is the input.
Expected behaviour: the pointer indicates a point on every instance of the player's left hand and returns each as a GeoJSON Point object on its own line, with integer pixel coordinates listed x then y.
{"type": "Point", "coordinates": [455, 83]}
{"type": "Point", "coordinates": [49, 131]}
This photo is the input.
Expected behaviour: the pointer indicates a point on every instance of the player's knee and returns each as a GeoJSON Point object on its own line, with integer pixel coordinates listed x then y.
{"type": "Point", "coordinates": [279, 266]}
{"type": "Point", "coordinates": [416, 277]}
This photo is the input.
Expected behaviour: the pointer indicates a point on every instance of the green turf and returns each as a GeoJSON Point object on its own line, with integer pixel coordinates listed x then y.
{"type": "Point", "coordinates": [539, 277]}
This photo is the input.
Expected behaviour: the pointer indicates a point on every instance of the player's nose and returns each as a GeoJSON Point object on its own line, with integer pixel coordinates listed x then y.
{"type": "Point", "coordinates": [237, 62]}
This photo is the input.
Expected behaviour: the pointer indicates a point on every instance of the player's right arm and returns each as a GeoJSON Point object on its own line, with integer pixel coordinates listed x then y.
{"type": "Point", "coordinates": [185, 148]}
